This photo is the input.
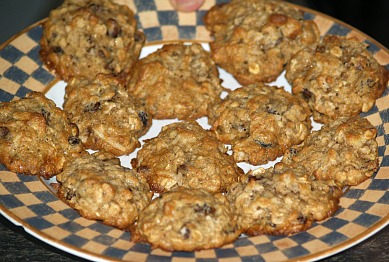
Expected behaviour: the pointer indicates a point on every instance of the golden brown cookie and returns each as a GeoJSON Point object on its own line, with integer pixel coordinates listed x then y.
{"type": "Point", "coordinates": [255, 39]}
{"type": "Point", "coordinates": [260, 122]}
{"type": "Point", "coordinates": [187, 220]}
{"type": "Point", "coordinates": [184, 154]}
{"type": "Point", "coordinates": [107, 117]}
{"type": "Point", "coordinates": [281, 201]}
{"type": "Point", "coordinates": [100, 189]}
{"type": "Point", "coordinates": [176, 81]}
{"type": "Point", "coordinates": [343, 153]}
{"type": "Point", "coordinates": [36, 137]}
{"type": "Point", "coordinates": [87, 37]}
{"type": "Point", "coordinates": [339, 77]}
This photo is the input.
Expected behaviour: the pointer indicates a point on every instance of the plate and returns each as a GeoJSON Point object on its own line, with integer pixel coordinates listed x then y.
{"type": "Point", "coordinates": [29, 201]}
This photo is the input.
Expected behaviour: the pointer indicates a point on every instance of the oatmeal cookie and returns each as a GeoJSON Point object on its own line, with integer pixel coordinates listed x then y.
{"type": "Point", "coordinates": [255, 39]}
{"type": "Point", "coordinates": [281, 201]}
{"type": "Point", "coordinates": [86, 37]}
{"type": "Point", "coordinates": [177, 81]}
{"type": "Point", "coordinates": [107, 117]}
{"type": "Point", "coordinates": [339, 77]}
{"type": "Point", "coordinates": [260, 122]}
{"type": "Point", "coordinates": [187, 220]}
{"type": "Point", "coordinates": [343, 153]}
{"type": "Point", "coordinates": [102, 190]}
{"type": "Point", "coordinates": [36, 137]}
{"type": "Point", "coordinates": [184, 154]}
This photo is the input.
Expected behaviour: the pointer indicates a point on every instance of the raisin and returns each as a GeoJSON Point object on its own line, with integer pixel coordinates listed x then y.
{"type": "Point", "coordinates": [73, 140]}
{"type": "Point", "coordinates": [307, 94]}
{"type": "Point", "coordinates": [272, 110]}
{"type": "Point", "coordinates": [205, 209]}
{"type": "Point", "coordinates": [143, 169]}
{"type": "Point", "coordinates": [58, 50]}
{"type": "Point", "coordinates": [113, 28]}
{"type": "Point", "coordinates": [302, 219]}
{"type": "Point", "coordinates": [182, 169]}
{"type": "Point", "coordinates": [46, 114]}
{"type": "Point", "coordinates": [263, 144]}
{"type": "Point", "coordinates": [139, 37]}
{"type": "Point", "coordinates": [94, 8]}
{"type": "Point", "coordinates": [92, 107]}
{"type": "Point", "coordinates": [185, 232]}
{"type": "Point", "coordinates": [4, 131]}
{"type": "Point", "coordinates": [143, 117]}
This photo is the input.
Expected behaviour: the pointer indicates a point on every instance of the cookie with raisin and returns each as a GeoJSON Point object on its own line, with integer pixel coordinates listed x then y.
{"type": "Point", "coordinates": [260, 122]}
{"type": "Point", "coordinates": [87, 37]}
{"type": "Point", "coordinates": [100, 189]}
{"type": "Point", "coordinates": [187, 220]}
{"type": "Point", "coordinates": [36, 137]}
{"type": "Point", "coordinates": [338, 78]}
{"type": "Point", "coordinates": [176, 81]}
{"type": "Point", "coordinates": [184, 154]}
{"type": "Point", "coordinates": [281, 200]}
{"type": "Point", "coordinates": [107, 116]}
{"type": "Point", "coordinates": [342, 153]}
{"type": "Point", "coordinates": [255, 39]}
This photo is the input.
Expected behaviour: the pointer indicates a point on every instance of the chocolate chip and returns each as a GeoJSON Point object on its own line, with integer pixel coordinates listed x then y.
{"type": "Point", "coordinates": [143, 117]}
{"type": "Point", "coordinates": [113, 28]}
{"type": "Point", "coordinates": [4, 131]}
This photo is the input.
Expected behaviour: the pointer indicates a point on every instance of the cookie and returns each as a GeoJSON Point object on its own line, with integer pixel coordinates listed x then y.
{"type": "Point", "coordinates": [342, 153]}
{"type": "Point", "coordinates": [176, 81]}
{"type": "Point", "coordinates": [186, 220]}
{"type": "Point", "coordinates": [281, 201]}
{"type": "Point", "coordinates": [338, 78]}
{"type": "Point", "coordinates": [107, 117]}
{"type": "Point", "coordinates": [184, 154]}
{"type": "Point", "coordinates": [87, 37]}
{"type": "Point", "coordinates": [260, 122]}
{"type": "Point", "coordinates": [36, 137]}
{"type": "Point", "coordinates": [255, 39]}
{"type": "Point", "coordinates": [102, 190]}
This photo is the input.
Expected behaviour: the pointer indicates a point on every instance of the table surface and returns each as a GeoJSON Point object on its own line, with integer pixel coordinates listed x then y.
{"type": "Point", "coordinates": [17, 245]}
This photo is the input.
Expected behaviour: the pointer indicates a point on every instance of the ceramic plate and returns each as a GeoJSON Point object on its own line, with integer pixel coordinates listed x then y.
{"type": "Point", "coordinates": [29, 201]}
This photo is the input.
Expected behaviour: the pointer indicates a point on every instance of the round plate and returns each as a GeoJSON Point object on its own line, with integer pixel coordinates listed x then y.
{"type": "Point", "coordinates": [28, 201]}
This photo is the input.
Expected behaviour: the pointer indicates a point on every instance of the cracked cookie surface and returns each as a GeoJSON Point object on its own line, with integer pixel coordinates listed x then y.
{"type": "Point", "coordinates": [100, 189]}
{"type": "Point", "coordinates": [260, 122]}
{"type": "Point", "coordinates": [342, 153]}
{"type": "Point", "coordinates": [87, 37]}
{"type": "Point", "coordinates": [255, 39]}
{"type": "Point", "coordinates": [338, 78]}
{"type": "Point", "coordinates": [184, 154]}
{"type": "Point", "coordinates": [36, 137]}
{"type": "Point", "coordinates": [187, 220]}
{"type": "Point", "coordinates": [107, 117]}
{"type": "Point", "coordinates": [281, 201]}
{"type": "Point", "coordinates": [176, 81]}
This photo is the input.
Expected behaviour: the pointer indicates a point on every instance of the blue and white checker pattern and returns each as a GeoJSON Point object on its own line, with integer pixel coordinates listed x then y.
{"type": "Point", "coordinates": [31, 203]}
